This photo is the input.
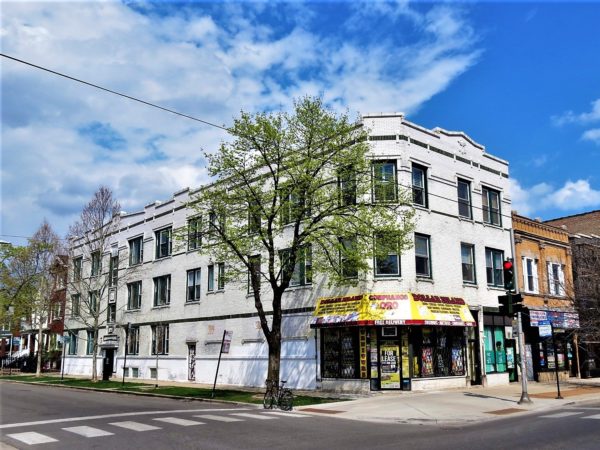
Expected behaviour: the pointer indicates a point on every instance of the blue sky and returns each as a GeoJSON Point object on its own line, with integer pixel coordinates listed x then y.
{"type": "Point", "coordinates": [523, 79]}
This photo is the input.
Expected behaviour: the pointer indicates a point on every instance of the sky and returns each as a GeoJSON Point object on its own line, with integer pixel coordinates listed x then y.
{"type": "Point", "coordinates": [523, 79]}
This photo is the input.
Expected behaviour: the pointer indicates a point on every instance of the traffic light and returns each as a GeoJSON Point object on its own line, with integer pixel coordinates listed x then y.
{"type": "Point", "coordinates": [509, 275]}
{"type": "Point", "coordinates": [510, 304]}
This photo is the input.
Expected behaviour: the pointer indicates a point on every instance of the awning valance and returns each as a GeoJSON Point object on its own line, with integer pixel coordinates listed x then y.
{"type": "Point", "coordinates": [392, 309]}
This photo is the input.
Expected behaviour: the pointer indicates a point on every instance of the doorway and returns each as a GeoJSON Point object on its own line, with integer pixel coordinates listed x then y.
{"type": "Point", "coordinates": [389, 365]}
{"type": "Point", "coordinates": [108, 363]}
{"type": "Point", "coordinates": [192, 362]}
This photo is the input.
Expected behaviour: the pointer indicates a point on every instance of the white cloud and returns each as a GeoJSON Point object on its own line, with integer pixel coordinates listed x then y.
{"type": "Point", "coordinates": [196, 62]}
{"type": "Point", "coordinates": [592, 135]}
{"type": "Point", "coordinates": [586, 118]}
{"type": "Point", "coordinates": [573, 195]}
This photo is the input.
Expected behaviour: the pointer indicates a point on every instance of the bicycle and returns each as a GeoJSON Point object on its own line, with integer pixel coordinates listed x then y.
{"type": "Point", "coordinates": [280, 396]}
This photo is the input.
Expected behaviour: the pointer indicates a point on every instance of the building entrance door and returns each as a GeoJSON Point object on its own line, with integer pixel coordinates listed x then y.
{"type": "Point", "coordinates": [108, 363]}
{"type": "Point", "coordinates": [389, 364]}
{"type": "Point", "coordinates": [192, 362]}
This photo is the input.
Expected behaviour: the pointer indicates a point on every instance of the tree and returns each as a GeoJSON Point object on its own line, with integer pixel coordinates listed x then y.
{"type": "Point", "coordinates": [28, 281]}
{"type": "Point", "coordinates": [96, 266]}
{"type": "Point", "coordinates": [297, 191]}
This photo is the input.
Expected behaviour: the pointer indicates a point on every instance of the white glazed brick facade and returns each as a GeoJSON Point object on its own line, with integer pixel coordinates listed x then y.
{"type": "Point", "coordinates": [233, 309]}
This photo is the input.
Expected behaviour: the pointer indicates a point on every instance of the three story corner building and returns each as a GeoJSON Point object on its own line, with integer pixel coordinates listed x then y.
{"type": "Point", "coordinates": [427, 318]}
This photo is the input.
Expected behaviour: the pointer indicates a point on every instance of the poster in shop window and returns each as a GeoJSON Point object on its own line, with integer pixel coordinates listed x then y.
{"type": "Point", "coordinates": [389, 368]}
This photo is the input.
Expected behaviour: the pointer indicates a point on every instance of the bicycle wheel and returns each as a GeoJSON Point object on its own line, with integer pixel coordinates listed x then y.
{"type": "Point", "coordinates": [268, 399]}
{"type": "Point", "coordinates": [286, 400]}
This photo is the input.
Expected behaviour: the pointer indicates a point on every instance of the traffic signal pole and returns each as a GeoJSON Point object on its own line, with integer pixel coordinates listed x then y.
{"type": "Point", "coordinates": [521, 337]}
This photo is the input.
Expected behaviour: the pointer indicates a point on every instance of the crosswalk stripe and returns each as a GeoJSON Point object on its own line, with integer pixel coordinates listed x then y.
{"type": "Point", "coordinates": [219, 418]}
{"type": "Point", "coordinates": [135, 426]}
{"type": "Point", "coordinates": [31, 438]}
{"type": "Point", "coordinates": [562, 414]}
{"type": "Point", "coordinates": [179, 421]}
{"type": "Point", "coordinates": [88, 432]}
{"type": "Point", "coordinates": [595, 416]}
{"type": "Point", "coordinates": [286, 414]}
{"type": "Point", "coordinates": [254, 416]}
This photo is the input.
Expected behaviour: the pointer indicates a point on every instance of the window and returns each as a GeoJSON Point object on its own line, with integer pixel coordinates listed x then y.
{"type": "Point", "coordinates": [221, 276]}
{"type": "Point", "coordinates": [134, 295]}
{"type": "Point", "coordinates": [419, 185]}
{"type": "Point", "coordinates": [422, 255]}
{"type": "Point", "coordinates": [113, 271]}
{"type": "Point", "coordinates": [493, 266]}
{"type": "Point", "coordinates": [438, 352]}
{"type": "Point", "coordinates": [163, 243]}
{"type": "Point", "coordinates": [133, 341]}
{"type": "Point", "coordinates": [491, 206]}
{"type": "Point", "coordinates": [193, 285]}
{"type": "Point", "coordinates": [347, 186]}
{"type": "Point", "coordinates": [94, 302]}
{"type": "Point", "coordinates": [160, 339]}
{"type": "Point", "coordinates": [89, 349]}
{"type": "Point", "coordinates": [254, 273]}
{"type": "Point", "coordinates": [467, 254]}
{"type": "Point", "coordinates": [556, 279]}
{"type": "Point", "coordinates": [162, 290]}
{"type": "Point", "coordinates": [389, 265]}
{"type": "Point", "coordinates": [384, 181]}
{"type": "Point", "coordinates": [75, 302]}
{"type": "Point", "coordinates": [194, 233]}
{"type": "Point", "coordinates": [347, 258]}
{"type": "Point", "coordinates": [340, 355]}
{"type": "Point", "coordinates": [292, 206]}
{"type": "Point", "coordinates": [136, 251]}
{"type": "Point", "coordinates": [302, 270]}
{"type": "Point", "coordinates": [464, 199]}
{"type": "Point", "coordinates": [530, 275]}
{"type": "Point", "coordinates": [111, 313]}
{"type": "Point", "coordinates": [96, 263]}
{"type": "Point", "coordinates": [77, 264]}
{"type": "Point", "coordinates": [215, 221]}
{"type": "Point", "coordinates": [72, 343]}
{"type": "Point", "coordinates": [254, 221]}
{"type": "Point", "coordinates": [211, 277]}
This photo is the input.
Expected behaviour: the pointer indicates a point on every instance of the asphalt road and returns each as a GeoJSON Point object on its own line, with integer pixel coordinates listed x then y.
{"type": "Point", "coordinates": [60, 418]}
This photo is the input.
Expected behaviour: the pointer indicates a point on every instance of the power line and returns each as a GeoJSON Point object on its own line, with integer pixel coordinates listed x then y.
{"type": "Point", "coordinates": [135, 99]}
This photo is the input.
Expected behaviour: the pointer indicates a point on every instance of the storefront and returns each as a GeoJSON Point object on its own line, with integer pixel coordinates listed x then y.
{"type": "Point", "coordinates": [550, 335]}
{"type": "Point", "coordinates": [393, 341]}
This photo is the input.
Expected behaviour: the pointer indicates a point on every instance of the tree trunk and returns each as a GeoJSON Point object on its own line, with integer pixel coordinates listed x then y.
{"type": "Point", "coordinates": [274, 357]}
{"type": "Point", "coordinates": [38, 370]}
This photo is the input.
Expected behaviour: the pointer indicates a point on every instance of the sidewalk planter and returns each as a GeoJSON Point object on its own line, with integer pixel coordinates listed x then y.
{"type": "Point", "coordinates": [430, 384]}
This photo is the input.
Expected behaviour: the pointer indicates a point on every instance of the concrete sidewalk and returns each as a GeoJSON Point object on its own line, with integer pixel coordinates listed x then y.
{"type": "Point", "coordinates": [457, 406]}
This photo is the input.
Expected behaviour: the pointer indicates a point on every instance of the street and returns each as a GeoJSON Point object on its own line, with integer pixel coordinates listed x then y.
{"type": "Point", "coordinates": [52, 418]}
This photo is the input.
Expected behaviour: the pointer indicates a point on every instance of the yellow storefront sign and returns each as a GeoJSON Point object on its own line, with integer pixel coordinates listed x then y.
{"type": "Point", "coordinates": [392, 309]}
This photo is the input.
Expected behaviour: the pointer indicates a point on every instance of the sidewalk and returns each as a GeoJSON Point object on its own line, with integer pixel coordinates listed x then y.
{"type": "Point", "coordinates": [458, 406]}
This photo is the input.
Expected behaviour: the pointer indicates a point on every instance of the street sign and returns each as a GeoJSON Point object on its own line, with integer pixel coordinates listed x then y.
{"type": "Point", "coordinates": [545, 330]}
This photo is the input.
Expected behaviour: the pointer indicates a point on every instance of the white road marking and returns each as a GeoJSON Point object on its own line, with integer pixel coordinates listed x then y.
{"type": "Point", "coordinates": [559, 415]}
{"type": "Point", "coordinates": [254, 416]}
{"type": "Point", "coordinates": [109, 416]}
{"type": "Point", "coordinates": [31, 438]}
{"type": "Point", "coordinates": [135, 426]}
{"type": "Point", "coordinates": [179, 421]}
{"type": "Point", "coordinates": [88, 432]}
{"type": "Point", "coordinates": [219, 418]}
{"type": "Point", "coordinates": [287, 414]}
{"type": "Point", "coordinates": [595, 416]}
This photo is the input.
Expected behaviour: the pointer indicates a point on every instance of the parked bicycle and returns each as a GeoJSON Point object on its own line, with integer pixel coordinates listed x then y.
{"type": "Point", "coordinates": [280, 397]}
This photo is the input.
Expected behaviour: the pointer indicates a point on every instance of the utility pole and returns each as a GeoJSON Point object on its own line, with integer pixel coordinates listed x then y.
{"type": "Point", "coordinates": [524, 394]}
{"type": "Point", "coordinates": [558, 396]}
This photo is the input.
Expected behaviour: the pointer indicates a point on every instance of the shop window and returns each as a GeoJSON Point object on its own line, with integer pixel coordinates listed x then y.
{"type": "Point", "coordinates": [339, 353]}
{"type": "Point", "coordinates": [438, 352]}
{"type": "Point", "coordinates": [495, 351]}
